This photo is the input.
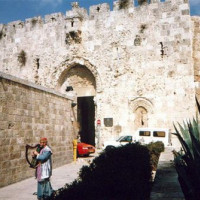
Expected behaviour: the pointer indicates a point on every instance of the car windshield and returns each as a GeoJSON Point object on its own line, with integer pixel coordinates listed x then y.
{"type": "Point", "coordinates": [127, 138]}
{"type": "Point", "coordinates": [119, 138]}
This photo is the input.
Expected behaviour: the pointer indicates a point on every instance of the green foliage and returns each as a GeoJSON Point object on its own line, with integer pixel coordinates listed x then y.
{"type": "Point", "coordinates": [155, 149]}
{"type": "Point", "coordinates": [142, 28]}
{"type": "Point", "coordinates": [141, 2]}
{"type": "Point", "coordinates": [22, 57]}
{"type": "Point", "coordinates": [187, 161]}
{"type": "Point", "coordinates": [116, 174]}
{"type": "Point", "coordinates": [73, 36]}
{"type": "Point", "coordinates": [123, 4]}
{"type": "Point", "coordinates": [33, 21]}
{"type": "Point", "coordinates": [1, 34]}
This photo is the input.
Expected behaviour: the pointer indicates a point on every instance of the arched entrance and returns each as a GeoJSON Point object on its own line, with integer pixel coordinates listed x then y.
{"type": "Point", "coordinates": [85, 117]}
{"type": "Point", "coordinates": [79, 81]}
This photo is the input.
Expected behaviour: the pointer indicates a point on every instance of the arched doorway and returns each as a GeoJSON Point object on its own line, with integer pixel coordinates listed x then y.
{"type": "Point", "coordinates": [85, 117]}
{"type": "Point", "coordinates": [79, 81]}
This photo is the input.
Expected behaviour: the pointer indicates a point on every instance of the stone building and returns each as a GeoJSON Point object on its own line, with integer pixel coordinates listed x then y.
{"type": "Point", "coordinates": [134, 66]}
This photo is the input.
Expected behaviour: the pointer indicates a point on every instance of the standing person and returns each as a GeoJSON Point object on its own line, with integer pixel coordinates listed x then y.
{"type": "Point", "coordinates": [44, 170]}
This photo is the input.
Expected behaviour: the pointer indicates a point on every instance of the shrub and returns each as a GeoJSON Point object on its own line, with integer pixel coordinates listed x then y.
{"type": "Point", "coordinates": [141, 2]}
{"type": "Point", "coordinates": [155, 148]}
{"type": "Point", "coordinates": [118, 173]}
{"type": "Point", "coordinates": [22, 57]}
{"type": "Point", "coordinates": [123, 4]}
{"type": "Point", "coordinates": [142, 28]}
{"type": "Point", "coordinates": [34, 21]}
{"type": "Point", "coordinates": [1, 34]}
{"type": "Point", "coordinates": [73, 36]}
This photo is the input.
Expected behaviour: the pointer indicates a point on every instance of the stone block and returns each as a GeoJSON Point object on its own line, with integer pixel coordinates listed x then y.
{"type": "Point", "coordinates": [185, 12]}
{"type": "Point", "coordinates": [119, 69]}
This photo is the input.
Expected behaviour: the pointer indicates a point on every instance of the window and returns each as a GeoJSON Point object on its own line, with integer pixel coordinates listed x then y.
{"type": "Point", "coordinates": [126, 139]}
{"type": "Point", "coordinates": [144, 133]}
{"type": "Point", "coordinates": [158, 134]}
{"type": "Point", "coordinates": [118, 140]}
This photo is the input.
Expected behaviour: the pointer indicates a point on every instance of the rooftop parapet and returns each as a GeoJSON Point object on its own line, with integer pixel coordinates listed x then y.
{"type": "Point", "coordinates": [18, 25]}
{"type": "Point", "coordinates": [76, 12]}
{"type": "Point", "coordinates": [13, 25]}
{"type": "Point", "coordinates": [155, 1]}
{"type": "Point", "coordinates": [54, 17]}
{"type": "Point", "coordinates": [33, 22]}
{"type": "Point", "coordinates": [100, 8]}
{"type": "Point", "coordinates": [122, 4]}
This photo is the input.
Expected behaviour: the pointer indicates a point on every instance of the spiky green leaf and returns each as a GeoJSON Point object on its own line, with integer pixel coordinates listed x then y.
{"type": "Point", "coordinates": [183, 143]}
{"type": "Point", "coordinates": [198, 105]}
{"type": "Point", "coordinates": [195, 127]}
{"type": "Point", "coordinates": [186, 136]}
{"type": "Point", "coordinates": [195, 142]}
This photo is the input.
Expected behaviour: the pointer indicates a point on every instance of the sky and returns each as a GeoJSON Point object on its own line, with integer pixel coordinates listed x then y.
{"type": "Point", "coordinates": [13, 10]}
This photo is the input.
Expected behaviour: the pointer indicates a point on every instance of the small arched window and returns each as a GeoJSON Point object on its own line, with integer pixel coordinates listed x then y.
{"type": "Point", "coordinates": [141, 119]}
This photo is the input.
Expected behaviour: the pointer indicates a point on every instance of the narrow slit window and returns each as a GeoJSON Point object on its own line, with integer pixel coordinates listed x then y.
{"type": "Point", "coordinates": [38, 63]}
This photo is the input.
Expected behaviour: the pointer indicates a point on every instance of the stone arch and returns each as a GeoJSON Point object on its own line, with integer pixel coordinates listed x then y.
{"type": "Point", "coordinates": [81, 63]}
{"type": "Point", "coordinates": [141, 102]}
{"type": "Point", "coordinates": [79, 74]}
{"type": "Point", "coordinates": [79, 79]}
{"type": "Point", "coordinates": [141, 107]}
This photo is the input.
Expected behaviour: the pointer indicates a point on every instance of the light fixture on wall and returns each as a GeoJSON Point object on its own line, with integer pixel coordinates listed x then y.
{"type": "Point", "coordinates": [69, 88]}
{"type": "Point", "coordinates": [73, 104]}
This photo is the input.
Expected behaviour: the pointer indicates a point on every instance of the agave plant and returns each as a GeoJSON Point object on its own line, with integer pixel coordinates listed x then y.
{"type": "Point", "coordinates": [187, 161]}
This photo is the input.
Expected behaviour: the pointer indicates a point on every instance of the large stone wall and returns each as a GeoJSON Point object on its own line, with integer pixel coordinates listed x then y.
{"type": "Point", "coordinates": [29, 112]}
{"type": "Point", "coordinates": [139, 57]}
{"type": "Point", "coordinates": [196, 53]}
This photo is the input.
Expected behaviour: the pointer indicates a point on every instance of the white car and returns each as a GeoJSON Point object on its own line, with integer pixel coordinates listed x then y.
{"type": "Point", "coordinates": [147, 135]}
{"type": "Point", "coordinates": [142, 135]}
{"type": "Point", "coordinates": [122, 140]}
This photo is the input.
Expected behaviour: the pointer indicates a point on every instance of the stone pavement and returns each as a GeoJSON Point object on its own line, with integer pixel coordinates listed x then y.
{"type": "Point", "coordinates": [24, 190]}
{"type": "Point", "coordinates": [166, 185]}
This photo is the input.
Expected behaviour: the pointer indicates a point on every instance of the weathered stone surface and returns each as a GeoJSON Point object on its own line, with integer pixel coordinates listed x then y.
{"type": "Point", "coordinates": [23, 123]}
{"type": "Point", "coordinates": [141, 64]}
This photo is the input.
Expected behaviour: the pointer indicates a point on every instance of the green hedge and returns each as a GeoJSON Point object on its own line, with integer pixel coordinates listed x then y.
{"type": "Point", "coordinates": [155, 148]}
{"type": "Point", "coordinates": [116, 174]}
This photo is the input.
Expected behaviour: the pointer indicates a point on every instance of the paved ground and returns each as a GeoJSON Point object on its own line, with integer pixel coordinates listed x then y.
{"type": "Point", "coordinates": [166, 186]}
{"type": "Point", "coordinates": [24, 190]}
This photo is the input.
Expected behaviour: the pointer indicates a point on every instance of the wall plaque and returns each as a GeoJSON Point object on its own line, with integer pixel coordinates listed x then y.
{"type": "Point", "coordinates": [108, 122]}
